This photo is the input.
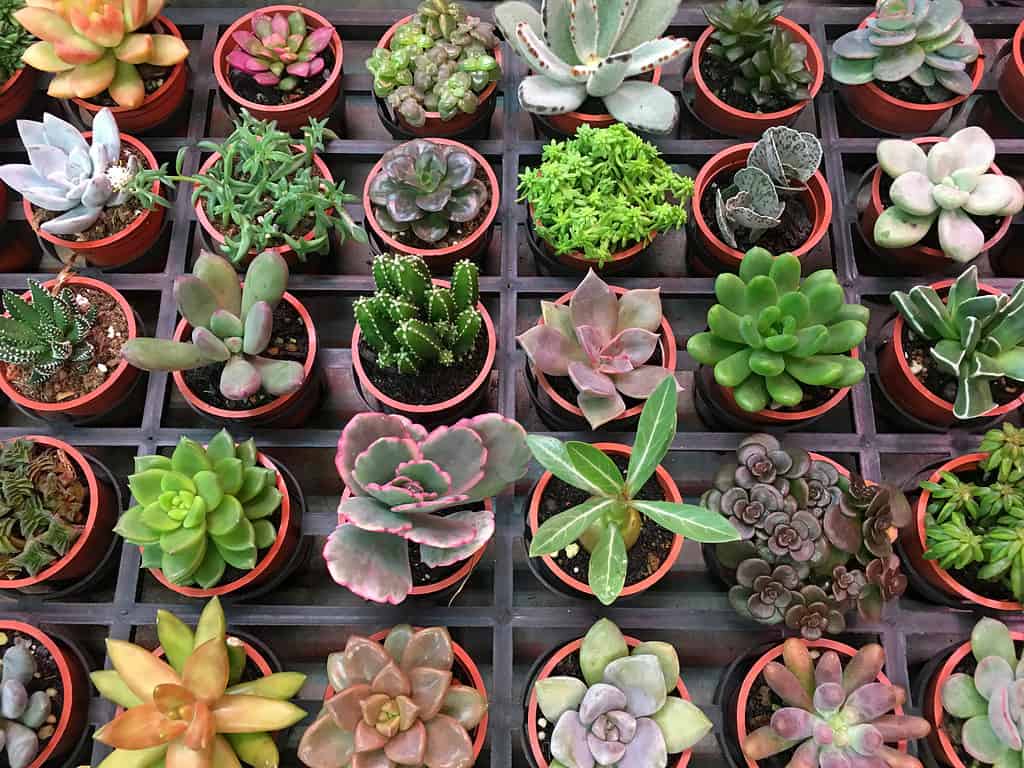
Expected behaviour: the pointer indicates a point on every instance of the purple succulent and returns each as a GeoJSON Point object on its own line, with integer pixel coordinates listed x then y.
{"type": "Point", "coordinates": [763, 593]}
{"type": "Point", "coordinates": [762, 459]}
{"type": "Point", "coordinates": [280, 50]}
{"type": "Point", "coordinates": [748, 510]}
{"type": "Point", "coordinates": [814, 613]}
{"type": "Point", "coordinates": [823, 491]}
{"type": "Point", "coordinates": [795, 536]}
{"type": "Point", "coordinates": [847, 583]}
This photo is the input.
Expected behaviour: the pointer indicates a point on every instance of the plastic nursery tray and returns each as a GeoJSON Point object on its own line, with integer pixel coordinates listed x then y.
{"type": "Point", "coordinates": [503, 616]}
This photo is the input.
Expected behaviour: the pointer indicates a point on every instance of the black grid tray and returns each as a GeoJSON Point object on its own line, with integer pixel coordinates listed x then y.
{"type": "Point", "coordinates": [503, 616]}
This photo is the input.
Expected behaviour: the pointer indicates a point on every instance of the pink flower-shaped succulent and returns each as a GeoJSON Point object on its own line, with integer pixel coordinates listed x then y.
{"type": "Point", "coordinates": [280, 50]}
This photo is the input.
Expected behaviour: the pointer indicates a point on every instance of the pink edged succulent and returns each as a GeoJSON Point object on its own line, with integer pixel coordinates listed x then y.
{"type": "Point", "coordinates": [602, 342]}
{"type": "Point", "coordinates": [280, 50]}
{"type": "Point", "coordinates": [403, 480]}
{"type": "Point", "coordinates": [395, 704]}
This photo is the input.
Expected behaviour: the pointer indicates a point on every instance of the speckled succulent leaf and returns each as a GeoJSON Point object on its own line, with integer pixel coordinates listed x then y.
{"type": "Point", "coordinates": [542, 95]}
{"type": "Point", "coordinates": [789, 157]}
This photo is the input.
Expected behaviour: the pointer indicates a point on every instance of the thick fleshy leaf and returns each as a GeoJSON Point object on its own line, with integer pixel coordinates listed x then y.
{"type": "Point", "coordinates": [325, 745]}
{"type": "Point", "coordinates": [643, 106]}
{"type": "Point", "coordinates": [140, 670]}
{"type": "Point", "coordinates": [483, 524]}
{"type": "Point", "coordinates": [464, 703]}
{"type": "Point", "coordinates": [682, 724]}
{"type": "Point", "coordinates": [252, 714]}
{"type": "Point", "coordinates": [373, 565]}
{"type": "Point", "coordinates": [641, 382]}
{"type": "Point", "coordinates": [981, 742]}
{"type": "Point", "coordinates": [991, 637]}
{"type": "Point", "coordinates": [602, 645]}
{"type": "Point", "coordinates": [206, 671]}
{"type": "Point", "coordinates": [647, 748]}
{"type": "Point", "coordinates": [408, 747]}
{"type": "Point", "coordinates": [593, 303]}
{"type": "Point", "coordinates": [992, 674]}
{"type": "Point", "coordinates": [549, 350]}
{"type": "Point", "coordinates": [640, 308]}
{"type": "Point", "coordinates": [640, 678]}
{"type": "Point", "coordinates": [961, 699]}
{"type": "Point", "coordinates": [431, 647]}
{"type": "Point", "coordinates": [460, 451]}
{"type": "Point", "coordinates": [362, 660]}
{"type": "Point", "coordinates": [140, 727]}
{"type": "Point", "coordinates": [448, 744]}
{"type": "Point", "coordinates": [569, 742]}
{"type": "Point", "coordinates": [559, 694]}
{"type": "Point", "coordinates": [598, 410]}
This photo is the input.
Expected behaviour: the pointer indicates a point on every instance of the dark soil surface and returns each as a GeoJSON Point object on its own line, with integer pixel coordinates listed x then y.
{"type": "Point", "coordinates": [718, 74]}
{"type": "Point", "coordinates": [107, 336]}
{"type": "Point", "coordinates": [905, 90]}
{"type": "Point", "coordinates": [270, 95]}
{"type": "Point", "coordinates": [47, 678]}
{"type": "Point", "coordinates": [153, 77]}
{"type": "Point", "coordinates": [989, 225]}
{"type": "Point", "coordinates": [793, 232]}
{"type": "Point", "coordinates": [563, 384]}
{"type": "Point", "coordinates": [289, 341]}
{"type": "Point", "coordinates": [457, 231]}
{"type": "Point", "coordinates": [567, 667]}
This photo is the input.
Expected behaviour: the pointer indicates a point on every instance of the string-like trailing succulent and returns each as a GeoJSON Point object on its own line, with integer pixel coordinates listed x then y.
{"type": "Point", "coordinates": [602, 342]}
{"type": "Point", "coordinates": [624, 711]}
{"type": "Point", "coordinates": [13, 39]}
{"type": "Point", "coordinates": [834, 716]}
{"type": "Point", "coordinates": [603, 190]}
{"type": "Point", "coordinates": [590, 49]}
{"type": "Point", "coordinates": [772, 333]}
{"type": "Point", "coordinates": [23, 714]}
{"type": "Point", "coordinates": [926, 41]}
{"type": "Point", "coordinates": [395, 703]}
{"type": "Point", "coordinates": [410, 323]}
{"type": "Point", "coordinates": [944, 187]}
{"type": "Point", "coordinates": [46, 334]}
{"type": "Point", "coordinates": [201, 510]}
{"type": "Point", "coordinates": [439, 61]}
{"type": "Point", "coordinates": [93, 46]}
{"type": "Point", "coordinates": [193, 706]}
{"type": "Point", "coordinates": [975, 337]}
{"type": "Point", "coordinates": [403, 482]}
{"type": "Point", "coordinates": [280, 51]}
{"type": "Point", "coordinates": [608, 523]}
{"type": "Point", "coordinates": [231, 324]}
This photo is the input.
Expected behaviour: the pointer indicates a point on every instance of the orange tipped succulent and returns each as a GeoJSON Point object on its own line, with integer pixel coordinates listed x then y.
{"type": "Point", "coordinates": [92, 46]}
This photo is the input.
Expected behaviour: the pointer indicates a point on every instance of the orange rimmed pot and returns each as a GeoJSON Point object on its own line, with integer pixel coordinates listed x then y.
{"type": "Point", "coordinates": [441, 259]}
{"type": "Point", "coordinates": [573, 586]}
{"type": "Point", "coordinates": [289, 410]}
{"type": "Point", "coordinates": [719, 257]}
{"type": "Point", "coordinates": [1011, 78]}
{"type": "Point", "coordinates": [15, 255]}
{"type": "Point", "coordinates": [447, 410]}
{"type": "Point", "coordinates": [92, 544]}
{"type": "Point", "coordinates": [111, 392]}
{"type": "Point", "coordinates": [16, 92]}
{"type": "Point", "coordinates": [918, 259]}
{"type": "Point", "coordinates": [289, 117]}
{"type": "Point", "coordinates": [535, 752]}
{"type": "Point", "coordinates": [728, 120]}
{"type": "Point", "coordinates": [567, 123]}
{"type": "Point", "coordinates": [435, 127]}
{"type": "Point", "coordinates": [914, 539]}
{"type": "Point", "coordinates": [125, 246]}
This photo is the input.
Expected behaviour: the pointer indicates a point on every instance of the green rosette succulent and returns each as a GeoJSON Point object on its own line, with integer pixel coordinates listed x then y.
{"type": "Point", "coordinates": [201, 510]}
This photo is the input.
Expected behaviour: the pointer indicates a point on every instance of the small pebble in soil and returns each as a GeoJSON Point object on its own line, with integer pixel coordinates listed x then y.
{"type": "Point", "coordinates": [541, 735]}
{"type": "Point", "coordinates": [542, 723]}
{"type": "Point", "coordinates": [572, 550]}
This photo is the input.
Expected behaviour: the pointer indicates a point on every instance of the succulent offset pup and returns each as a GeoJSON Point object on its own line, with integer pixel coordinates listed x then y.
{"type": "Point", "coordinates": [395, 703]}
{"type": "Point", "coordinates": [23, 714]}
{"type": "Point", "coordinates": [93, 46]}
{"type": "Point", "coordinates": [584, 49]}
{"type": "Point", "coordinates": [834, 716]}
{"type": "Point", "coordinates": [280, 50]}
{"type": "Point", "coordinates": [191, 708]}
{"type": "Point", "coordinates": [402, 479]}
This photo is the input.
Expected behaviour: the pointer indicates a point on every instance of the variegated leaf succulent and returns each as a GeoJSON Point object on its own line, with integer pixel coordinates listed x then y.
{"type": "Point", "coordinates": [279, 50]}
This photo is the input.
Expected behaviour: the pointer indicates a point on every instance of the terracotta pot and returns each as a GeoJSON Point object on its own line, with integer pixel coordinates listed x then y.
{"type": "Point", "coordinates": [566, 124]}
{"type": "Point", "coordinates": [213, 237]}
{"type": "Point", "coordinates": [877, 109]}
{"type": "Point", "coordinates": [914, 539]}
{"type": "Point", "coordinates": [671, 491]}
{"type": "Point", "coordinates": [16, 92]}
{"type": "Point", "coordinates": [284, 411]}
{"type": "Point", "coordinates": [1011, 79]}
{"type": "Point", "coordinates": [720, 257]}
{"type": "Point", "coordinates": [536, 754]}
{"type": "Point", "coordinates": [289, 117]}
{"type": "Point", "coordinates": [433, 411]}
{"type": "Point", "coordinates": [907, 390]}
{"type": "Point", "coordinates": [159, 105]}
{"type": "Point", "coordinates": [91, 546]}
{"type": "Point", "coordinates": [105, 397]}
{"type": "Point", "coordinates": [434, 126]}
{"type": "Point", "coordinates": [441, 259]}
{"type": "Point", "coordinates": [728, 120]}
{"type": "Point", "coordinates": [125, 246]}
{"type": "Point", "coordinates": [919, 258]}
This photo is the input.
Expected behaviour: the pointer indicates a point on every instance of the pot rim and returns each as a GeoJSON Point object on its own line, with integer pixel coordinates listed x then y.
{"type": "Point", "coordinates": [451, 250]}
{"type": "Point", "coordinates": [1017, 42]}
{"type": "Point", "coordinates": [671, 490]}
{"type": "Point", "coordinates": [12, 81]}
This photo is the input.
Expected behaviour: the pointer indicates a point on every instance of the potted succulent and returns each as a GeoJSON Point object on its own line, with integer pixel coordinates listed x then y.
{"type": "Point", "coordinates": [60, 343]}
{"type": "Point", "coordinates": [252, 348]}
{"type": "Point", "coordinates": [769, 194]}
{"type": "Point", "coordinates": [202, 698]}
{"type": "Point", "coordinates": [603, 345]}
{"type": "Point", "coordinates": [211, 521]}
{"type": "Point", "coordinates": [106, 54]}
{"type": "Point", "coordinates": [581, 68]}
{"type": "Point", "coordinates": [801, 359]}
{"type": "Point", "coordinates": [949, 204]}
{"type": "Point", "coordinates": [281, 63]}
{"type": "Point", "coordinates": [409, 521]}
{"type": "Point", "coordinates": [815, 542]}
{"type": "Point", "coordinates": [608, 699]}
{"type": "Point", "coordinates": [17, 83]}
{"type": "Point", "coordinates": [1011, 77]}
{"type": "Point", "coordinates": [955, 358]}
{"type": "Point", "coordinates": [624, 530]}
{"type": "Point", "coordinates": [423, 347]}
{"type": "Point", "coordinates": [435, 73]}
{"type": "Point", "coordinates": [625, 203]}
{"type": "Point", "coordinates": [907, 64]}
{"type": "Point", "coordinates": [432, 198]}
{"type": "Point", "coordinates": [87, 199]}
{"type": "Point", "coordinates": [410, 696]}
{"type": "Point", "coordinates": [753, 68]}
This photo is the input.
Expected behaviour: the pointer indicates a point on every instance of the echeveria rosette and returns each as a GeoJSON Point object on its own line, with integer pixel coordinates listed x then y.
{"type": "Point", "coordinates": [280, 50]}
{"type": "Point", "coordinates": [763, 592]}
{"type": "Point", "coordinates": [834, 716]}
{"type": "Point", "coordinates": [624, 712]}
{"type": "Point", "coordinates": [402, 478]}
{"type": "Point", "coordinates": [395, 704]}
{"type": "Point", "coordinates": [201, 510]}
{"type": "Point", "coordinates": [602, 342]}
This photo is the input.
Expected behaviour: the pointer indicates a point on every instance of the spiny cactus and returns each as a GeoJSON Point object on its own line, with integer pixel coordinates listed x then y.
{"type": "Point", "coordinates": [22, 714]}
{"type": "Point", "coordinates": [279, 50]}
{"type": "Point", "coordinates": [410, 322]}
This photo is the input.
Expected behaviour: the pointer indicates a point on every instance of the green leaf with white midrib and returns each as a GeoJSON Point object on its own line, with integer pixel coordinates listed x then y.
{"type": "Point", "coordinates": [553, 456]}
{"type": "Point", "coordinates": [607, 573]}
{"type": "Point", "coordinates": [688, 520]}
{"type": "Point", "coordinates": [596, 467]}
{"type": "Point", "coordinates": [564, 528]}
{"type": "Point", "coordinates": [654, 435]}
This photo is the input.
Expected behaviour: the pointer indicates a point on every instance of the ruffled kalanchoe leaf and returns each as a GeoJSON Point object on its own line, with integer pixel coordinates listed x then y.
{"type": "Point", "coordinates": [280, 50]}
